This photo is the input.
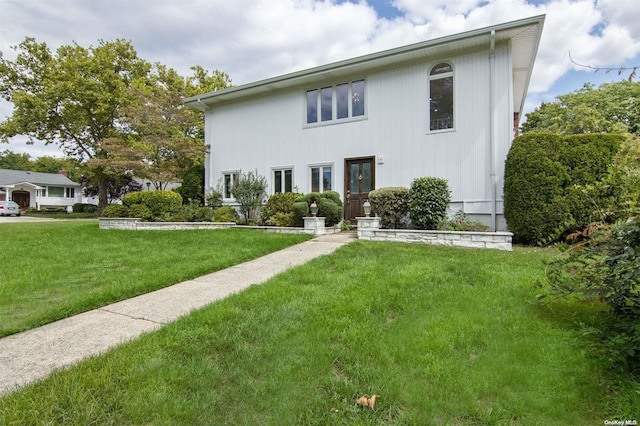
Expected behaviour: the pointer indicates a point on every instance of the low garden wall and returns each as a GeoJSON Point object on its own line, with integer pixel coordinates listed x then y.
{"type": "Point", "coordinates": [136, 224]}
{"type": "Point", "coordinates": [369, 229]}
{"type": "Point", "coordinates": [313, 226]}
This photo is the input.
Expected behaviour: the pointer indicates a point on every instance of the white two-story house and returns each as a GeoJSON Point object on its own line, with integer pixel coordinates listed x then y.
{"type": "Point", "coordinates": [448, 108]}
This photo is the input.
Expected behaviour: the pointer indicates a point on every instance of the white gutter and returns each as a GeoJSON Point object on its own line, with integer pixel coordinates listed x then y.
{"type": "Point", "coordinates": [204, 107]}
{"type": "Point", "coordinates": [492, 160]}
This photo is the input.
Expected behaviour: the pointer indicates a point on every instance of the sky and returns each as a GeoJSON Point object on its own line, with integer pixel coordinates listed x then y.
{"type": "Point", "coordinates": [252, 40]}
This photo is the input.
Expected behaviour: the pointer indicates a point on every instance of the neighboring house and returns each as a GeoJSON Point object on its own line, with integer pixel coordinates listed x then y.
{"type": "Point", "coordinates": [448, 107]}
{"type": "Point", "coordinates": [39, 190]}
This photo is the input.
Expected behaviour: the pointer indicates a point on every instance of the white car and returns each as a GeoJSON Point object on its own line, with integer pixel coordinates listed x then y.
{"type": "Point", "coordinates": [9, 208]}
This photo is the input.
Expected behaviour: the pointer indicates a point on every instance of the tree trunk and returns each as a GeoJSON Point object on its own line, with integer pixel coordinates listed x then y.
{"type": "Point", "coordinates": [103, 183]}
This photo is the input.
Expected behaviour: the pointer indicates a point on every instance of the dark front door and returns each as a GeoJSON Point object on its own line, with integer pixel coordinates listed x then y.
{"type": "Point", "coordinates": [22, 198]}
{"type": "Point", "coordinates": [359, 180]}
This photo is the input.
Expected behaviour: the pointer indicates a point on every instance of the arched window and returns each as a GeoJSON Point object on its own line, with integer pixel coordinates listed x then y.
{"type": "Point", "coordinates": [441, 97]}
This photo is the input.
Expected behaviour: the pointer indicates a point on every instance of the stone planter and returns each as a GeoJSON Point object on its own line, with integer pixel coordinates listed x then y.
{"type": "Point", "coordinates": [369, 229]}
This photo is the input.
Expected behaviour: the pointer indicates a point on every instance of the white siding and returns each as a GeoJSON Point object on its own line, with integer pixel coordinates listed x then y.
{"type": "Point", "coordinates": [267, 132]}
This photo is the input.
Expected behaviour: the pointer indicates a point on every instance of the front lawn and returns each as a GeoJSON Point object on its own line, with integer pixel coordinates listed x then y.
{"type": "Point", "coordinates": [54, 270]}
{"type": "Point", "coordinates": [445, 336]}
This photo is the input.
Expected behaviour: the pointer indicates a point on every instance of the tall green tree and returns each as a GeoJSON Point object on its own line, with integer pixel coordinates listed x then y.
{"type": "Point", "coordinates": [162, 138]}
{"type": "Point", "coordinates": [74, 98]}
{"type": "Point", "coordinates": [46, 164]}
{"type": "Point", "coordinates": [609, 108]}
{"type": "Point", "coordinates": [14, 161]}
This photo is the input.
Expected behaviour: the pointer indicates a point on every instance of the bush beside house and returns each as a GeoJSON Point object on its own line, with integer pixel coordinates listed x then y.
{"type": "Point", "coordinates": [391, 204]}
{"type": "Point", "coordinates": [278, 210]}
{"type": "Point", "coordinates": [552, 181]}
{"type": "Point", "coordinates": [429, 199]}
{"type": "Point", "coordinates": [329, 207]}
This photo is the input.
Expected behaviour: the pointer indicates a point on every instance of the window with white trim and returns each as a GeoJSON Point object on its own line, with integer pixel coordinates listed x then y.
{"type": "Point", "coordinates": [321, 178]}
{"type": "Point", "coordinates": [70, 192]}
{"type": "Point", "coordinates": [56, 192]}
{"type": "Point", "coordinates": [229, 178]}
{"type": "Point", "coordinates": [282, 180]}
{"type": "Point", "coordinates": [441, 97]}
{"type": "Point", "coordinates": [335, 103]}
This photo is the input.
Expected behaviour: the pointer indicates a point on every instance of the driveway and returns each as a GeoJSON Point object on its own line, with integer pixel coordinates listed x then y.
{"type": "Point", "coordinates": [13, 219]}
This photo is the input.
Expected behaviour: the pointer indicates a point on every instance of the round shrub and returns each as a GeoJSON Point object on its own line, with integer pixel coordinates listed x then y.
{"type": "Point", "coordinates": [391, 206]}
{"type": "Point", "coordinates": [162, 201]}
{"type": "Point", "coordinates": [133, 198]}
{"type": "Point", "coordinates": [204, 214]}
{"type": "Point", "coordinates": [159, 202]}
{"type": "Point", "coordinates": [115, 210]}
{"type": "Point", "coordinates": [280, 205]}
{"type": "Point", "coordinates": [282, 219]}
{"type": "Point", "coordinates": [226, 214]}
{"type": "Point", "coordinates": [329, 207]}
{"type": "Point", "coordinates": [331, 211]}
{"type": "Point", "coordinates": [300, 210]}
{"type": "Point", "coordinates": [428, 200]}
{"type": "Point", "coordinates": [140, 211]}
{"type": "Point", "coordinates": [333, 196]}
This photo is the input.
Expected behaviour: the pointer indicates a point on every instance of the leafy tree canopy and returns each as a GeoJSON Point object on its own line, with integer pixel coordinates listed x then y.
{"type": "Point", "coordinates": [105, 107]}
{"type": "Point", "coordinates": [14, 161]}
{"type": "Point", "coordinates": [73, 97]}
{"type": "Point", "coordinates": [161, 137]}
{"type": "Point", "coordinates": [610, 108]}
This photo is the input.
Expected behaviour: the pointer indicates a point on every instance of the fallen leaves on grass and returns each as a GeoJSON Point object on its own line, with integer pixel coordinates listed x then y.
{"type": "Point", "coordinates": [367, 402]}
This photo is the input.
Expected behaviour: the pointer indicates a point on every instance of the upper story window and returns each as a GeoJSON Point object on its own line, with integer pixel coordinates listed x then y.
{"type": "Point", "coordinates": [441, 97]}
{"type": "Point", "coordinates": [333, 103]}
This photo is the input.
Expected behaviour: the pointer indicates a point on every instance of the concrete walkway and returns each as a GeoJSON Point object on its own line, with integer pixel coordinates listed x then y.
{"type": "Point", "coordinates": [32, 355]}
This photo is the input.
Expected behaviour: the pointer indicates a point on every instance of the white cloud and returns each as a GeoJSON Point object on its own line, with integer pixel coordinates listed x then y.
{"type": "Point", "coordinates": [256, 39]}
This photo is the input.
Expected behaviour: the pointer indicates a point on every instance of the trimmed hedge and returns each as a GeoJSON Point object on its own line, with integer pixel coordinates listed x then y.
{"type": "Point", "coordinates": [84, 208]}
{"type": "Point", "coordinates": [115, 210]}
{"type": "Point", "coordinates": [161, 202]}
{"type": "Point", "coordinates": [428, 200]}
{"type": "Point", "coordinates": [141, 211]}
{"type": "Point", "coordinates": [329, 207]}
{"type": "Point", "coordinates": [541, 200]}
{"type": "Point", "coordinates": [391, 205]}
{"type": "Point", "coordinates": [226, 214]}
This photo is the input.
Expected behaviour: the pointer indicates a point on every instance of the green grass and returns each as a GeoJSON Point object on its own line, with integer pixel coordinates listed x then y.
{"type": "Point", "coordinates": [445, 336]}
{"type": "Point", "coordinates": [61, 215]}
{"type": "Point", "coordinates": [56, 269]}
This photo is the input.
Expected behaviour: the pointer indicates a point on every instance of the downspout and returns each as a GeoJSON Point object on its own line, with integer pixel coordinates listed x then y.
{"type": "Point", "coordinates": [492, 160]}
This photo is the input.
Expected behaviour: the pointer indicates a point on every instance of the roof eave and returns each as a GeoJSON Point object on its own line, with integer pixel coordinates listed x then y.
{"type": "Point", "coordinates": [370, 61]}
